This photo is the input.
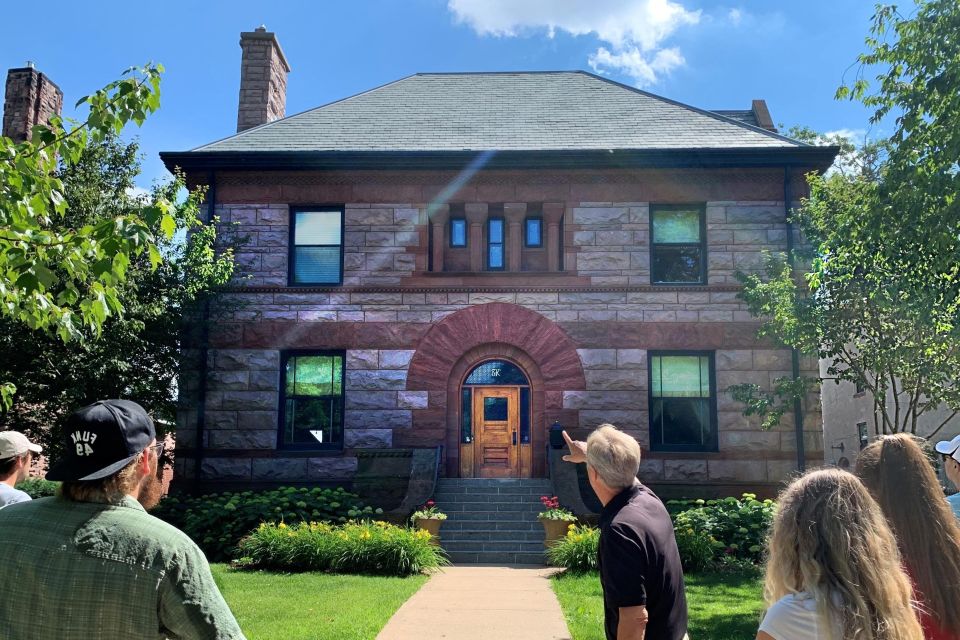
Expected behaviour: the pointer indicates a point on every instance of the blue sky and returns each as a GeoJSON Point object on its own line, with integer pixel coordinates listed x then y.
{"type": "Point", "coordinates": [714, 55]}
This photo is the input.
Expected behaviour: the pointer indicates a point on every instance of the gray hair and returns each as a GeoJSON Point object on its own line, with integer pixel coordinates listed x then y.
{"type": "Point", "coordinates": [614, 455]}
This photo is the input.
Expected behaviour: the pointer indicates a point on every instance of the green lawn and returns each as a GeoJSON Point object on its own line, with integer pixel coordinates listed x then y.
{"type": "Point", "coordinates": [312, 606]}
{"type": "Point", "coordinates": [720, 605]}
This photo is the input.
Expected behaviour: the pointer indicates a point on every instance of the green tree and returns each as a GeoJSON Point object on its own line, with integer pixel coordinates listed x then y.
{"type": "Point", "coordinates": [133, 354]}
{"type": "Point", "coordinates": [63, 278]}
{"type": "Point", "coordinates": [878, 295]}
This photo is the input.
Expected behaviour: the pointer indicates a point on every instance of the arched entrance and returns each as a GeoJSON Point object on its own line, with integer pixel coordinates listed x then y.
{"type": "Point", "coordinates": [457, 344]}
{"type": "Point", "coordinates": [495, 417]}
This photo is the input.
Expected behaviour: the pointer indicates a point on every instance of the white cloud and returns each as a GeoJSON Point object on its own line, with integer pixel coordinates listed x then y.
{"type": "Point", "coordinates": [633, 31]}
{"type": "Point", "coordinates": [138, 192]}
{"type": "Point", "coordinates": [735, 16]}
{"type": "Point", "coordinates": [853, 135]}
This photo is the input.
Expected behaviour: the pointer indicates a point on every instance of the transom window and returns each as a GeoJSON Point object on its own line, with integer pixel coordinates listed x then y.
{"type": "Point", "coordinates": [311, 407]}
{"type": "Point", "coordinates": [678, 244]}
{"type": "Point", "coordinates": [316, 252]}
{"type": "Point", "coordinates": [495, 244]}
{"type": "Point", "coordinates": [682, 402]}
{"type": "Point", "coordinates": [533, 232]}
{"type": "Point", "coordinates": [458, 232]}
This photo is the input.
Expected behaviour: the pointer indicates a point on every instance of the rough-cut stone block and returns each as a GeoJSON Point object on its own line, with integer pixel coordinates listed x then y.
{"type": "Point", "coordinates": [377, 380]}
{"type": "Point", "coordinates": [338, 468]}
{"type": "Point", "coordinates": [371, 217]}
{"type": "Point", "coordinates": [243, 440]}
{"type": "Point", "coordinates": [737, 470]}
{"type": "Point", "coordinates": [632, 420]}
{"type": "Point", "coordinates": [249, 359]}
{"type": "Point", "coordinates": [379, 239]}
{"type": "Point", "coordinates": [237, 469]}
{"type": "Point", "coordinates": [753, 214]}
{"type": "Point", "coordinates": [584, 238]}
{"type": "Point", "coordinates": [601, 215]}
{"type": "Point", "coordinates": [598, 358]}
{"type": "Point", "coordinates": [720, 260]}
{"type": "Point", "coordinates": [618, 400]}
{"type": "Point", "coordinates": [650, 469]}
{"type": "Point", "coordinates": [228, 380]}
{"type": "Point", "coordinates": [395, 358]}
{"type": "Point", "coordinates": [693, 470]}
{"type": "Point", "coordinates": [734, 360]}
{"type": "Point", "coordinates": [406, 217]}
{"type": "Point", "coordinates": [612, 379]}
{"type": "Point", "coordinates": [749, 441]}
{"type": "Point", "coordinates": [632, 359]}
{"type": "Point", "coordinates": [782, 471]}
{"type": "Point", "coordinates": [249, 400]}
{"type": "Point", "coordinates": [280, 469]}
{"type": "Point", "coordinates": [486, 297]}
{"type": "Point", "coordinates": [592, 297]}
{"type": "Point", "coordinates": [362, 359]}
{"type": "Point", "coordinates": [257, 420]}
{"type": "Point", "coordinates": [278, 216]}
{"type": "Point", "coordinates": [603, 261]}
{"type": "Point", "coordinates": [371, 400]}
{"type": "Point", "coordinates": [614, 238]}
{"type": "Point", "coordinates": [384, 419]}
{"type": "Point", "coordinates": [368, 438]}
{"type": "Point", "coordinates": [412, 399]}
{"type": "Point", "coordinates": [407, 239]}
{"type": "Point", "coordinates": [771, 360]}
{"type": "Point", "coordinates": [220, 419]}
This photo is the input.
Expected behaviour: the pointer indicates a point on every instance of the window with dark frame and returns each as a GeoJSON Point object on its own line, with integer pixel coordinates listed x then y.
{"type": "Point", "coordinates": [678, 244]}
{"type": "Point", "coordinates": [316, 251]}
{"type": "Point", "coordinates": [862, 434]}
{"type": "Point", "coordinates": [311, 403]}
{"type": "Point", "coordinates": [458, 232]}
{"type": "Point", "coordinates": [859, 386]}
{"type": "Point", "coordinates": [495, 244]}
{"type": "Point", "coordinates": [683, 402]}
{"type": "Point", "coordinates": [533, 232]}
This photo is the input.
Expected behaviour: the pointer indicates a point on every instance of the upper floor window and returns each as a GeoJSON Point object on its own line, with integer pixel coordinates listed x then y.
{"type": "Point", "coordinates": [683, 402]}
{"type": "Point", "coordinates": [495, 257]}
{"type": "Point", "coordinates": [458, 232]}
{"type": "Point", "coordinates": [862, 436]}
{"type": "Point", "coordinates": [311, 406]}
{"type": "Point", "coordinates": [316, 246]}
{"type": "Point", "coordinates": [533, 232]}
{"type": "Point", "coordinates": [678, 244]}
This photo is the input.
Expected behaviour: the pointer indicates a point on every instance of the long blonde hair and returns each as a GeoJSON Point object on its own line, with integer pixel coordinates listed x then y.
{"type": "Point", "coordinates": [830, 539]}
{"type": "Point", "coordinates": [901, 479]}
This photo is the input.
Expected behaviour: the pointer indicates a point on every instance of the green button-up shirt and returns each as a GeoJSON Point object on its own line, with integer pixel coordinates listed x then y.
{"type": "Point", "coordinates": [83, 570]}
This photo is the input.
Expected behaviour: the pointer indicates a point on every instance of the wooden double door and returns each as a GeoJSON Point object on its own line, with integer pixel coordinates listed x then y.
{"type": "Point", "coordinates": [497, 448]}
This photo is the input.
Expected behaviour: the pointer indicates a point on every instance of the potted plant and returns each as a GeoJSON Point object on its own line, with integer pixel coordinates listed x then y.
{"type": "Point", "coordinates": [429, 518]}
{"type": "Point", "coordinates": [555, 519]}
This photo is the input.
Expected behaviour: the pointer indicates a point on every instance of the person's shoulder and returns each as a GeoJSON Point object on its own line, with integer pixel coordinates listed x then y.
{"type": "Point", "coordinates": [143, 531]}
{"type": "Point", "coordinates": [794, 615]}
{"type": "Point", "coordinates": [10, 495]}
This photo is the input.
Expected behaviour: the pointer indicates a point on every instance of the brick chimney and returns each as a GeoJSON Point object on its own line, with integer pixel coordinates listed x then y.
{"type": "Point", "coordinates": [31, 98]}
{"type": "Point", "coordinates": [762, 114]}
{"type": "Point", "coordinates": [263, 79]}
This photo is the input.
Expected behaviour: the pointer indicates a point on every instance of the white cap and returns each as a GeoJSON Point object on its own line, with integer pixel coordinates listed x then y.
{"type": "Point", "coordinates": [950, 448]}
{"type": "Point", "coordinates": [14, 443]}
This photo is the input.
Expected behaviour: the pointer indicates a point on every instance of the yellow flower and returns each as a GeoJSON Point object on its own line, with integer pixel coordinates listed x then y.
{"type": "Point", "coordinates": [281, 526]}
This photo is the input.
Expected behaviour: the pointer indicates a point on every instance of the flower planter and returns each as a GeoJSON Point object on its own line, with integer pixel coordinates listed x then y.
{"type": "Point", "coordinates": [554, 530]}
{"type": "Point", "coordinates": [432, 525]}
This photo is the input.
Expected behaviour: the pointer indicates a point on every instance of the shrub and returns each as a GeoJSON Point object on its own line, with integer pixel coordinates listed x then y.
{"type": "Point", "coordinates": [218, 521]}
{"type": "Point", "coordinates": [697, 548]}
{"type": "Point", "coordinates": [38, 487]}
{"type": "Point", "coordinates": [355, 547]}
{"type": "Point", "coordinates": [576, 551]}
{"type": "Point", "coordinates": [738, 526]}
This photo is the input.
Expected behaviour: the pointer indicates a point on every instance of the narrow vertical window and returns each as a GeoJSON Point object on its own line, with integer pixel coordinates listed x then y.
{"type": "Point", "coordinates": [316, 255]}
{"type": "Point", "coordinates": [682, 402]}
{"type": "Point", "coordinates": [678, 245]}
{"type": "Point", "coordinates": [495, 244]}
{"type": "Point", "coordinates": [533, 232]}
{"type": "Point", "coordinates": [458, 232]}
{"type": "Point", "coordinates": [312, 402]}
{"type": "Point", "coordinates": [862, 435]}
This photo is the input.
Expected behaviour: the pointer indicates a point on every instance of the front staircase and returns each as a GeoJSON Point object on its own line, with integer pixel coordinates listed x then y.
{"type": "Point", "coordinates": [492, 521]}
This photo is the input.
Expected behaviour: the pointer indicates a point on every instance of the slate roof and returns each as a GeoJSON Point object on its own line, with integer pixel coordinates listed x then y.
{"type": "Point", "coordinates": [535, 111]}
{"type": "Point", "coordinates": [746, 116]}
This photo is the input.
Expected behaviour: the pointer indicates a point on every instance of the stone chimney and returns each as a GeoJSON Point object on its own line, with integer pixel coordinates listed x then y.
{"type": "Point", "coordinates": [263, 79]}
{"type": "Point", "coordinates": [762, 114]}
{"type": "Point", "coordinates": [31, 99]}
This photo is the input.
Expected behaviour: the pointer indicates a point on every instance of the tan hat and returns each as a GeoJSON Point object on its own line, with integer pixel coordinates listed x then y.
{"type": "Point", "coordinates": [949, 448]}
{"type": "Point", "coordinates": [14, 443]}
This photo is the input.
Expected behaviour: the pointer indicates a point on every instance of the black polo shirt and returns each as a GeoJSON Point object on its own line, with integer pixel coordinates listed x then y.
{"type": "Point", "coordinates": [640, 564]}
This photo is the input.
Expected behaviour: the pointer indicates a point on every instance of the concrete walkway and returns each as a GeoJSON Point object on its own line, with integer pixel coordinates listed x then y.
{"type": "Point", "coordinates": [481, 602]}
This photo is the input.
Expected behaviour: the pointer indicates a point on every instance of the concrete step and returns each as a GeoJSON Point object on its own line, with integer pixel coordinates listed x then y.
{"type": "Point", "coordinates": [507, 546]}
{"type": "Point", "coordinates": [485, 496]}
{"type": "Point", "coordinates": [526, 507]}
{"type": "Point", "coordinates": [491, 535]}
{"type": "Point", "coordinates": [503, 516]}
{"type": "Point", "coordinates": [496, 557]}
{"type": "Point", "coordinates": [491, 525]}
{"type": "Point", "coordinates": [494, 490]}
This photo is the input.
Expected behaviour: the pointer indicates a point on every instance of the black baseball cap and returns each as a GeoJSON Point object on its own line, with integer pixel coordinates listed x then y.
{"type": "Point", "coordinates": [102, 438]}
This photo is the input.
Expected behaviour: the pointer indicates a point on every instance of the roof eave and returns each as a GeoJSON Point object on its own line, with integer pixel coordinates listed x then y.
{"type": "Point", "coordinates": [812, 157]}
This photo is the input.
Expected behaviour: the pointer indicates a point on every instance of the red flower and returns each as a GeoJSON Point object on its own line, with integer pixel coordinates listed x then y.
{"type": "Point", "coordinates": [430, 503]}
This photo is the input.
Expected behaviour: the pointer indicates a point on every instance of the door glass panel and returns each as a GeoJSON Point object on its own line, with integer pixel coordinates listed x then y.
{"type": "Point", "coordinates": [495, 409]}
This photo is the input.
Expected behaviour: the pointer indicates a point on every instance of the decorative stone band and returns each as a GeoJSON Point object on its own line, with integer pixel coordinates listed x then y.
{"type": "Point", "coordinates": [479, 288]}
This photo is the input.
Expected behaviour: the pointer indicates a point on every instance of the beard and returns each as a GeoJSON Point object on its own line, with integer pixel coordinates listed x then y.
{"type": "Point", "coordinates": [151, 490]}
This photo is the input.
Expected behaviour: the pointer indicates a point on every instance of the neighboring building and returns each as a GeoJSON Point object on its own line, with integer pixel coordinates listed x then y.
{"type": "Point", "coordinates": [460, 260]}
{"type": "Point", "coordinates": [848, 424]}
